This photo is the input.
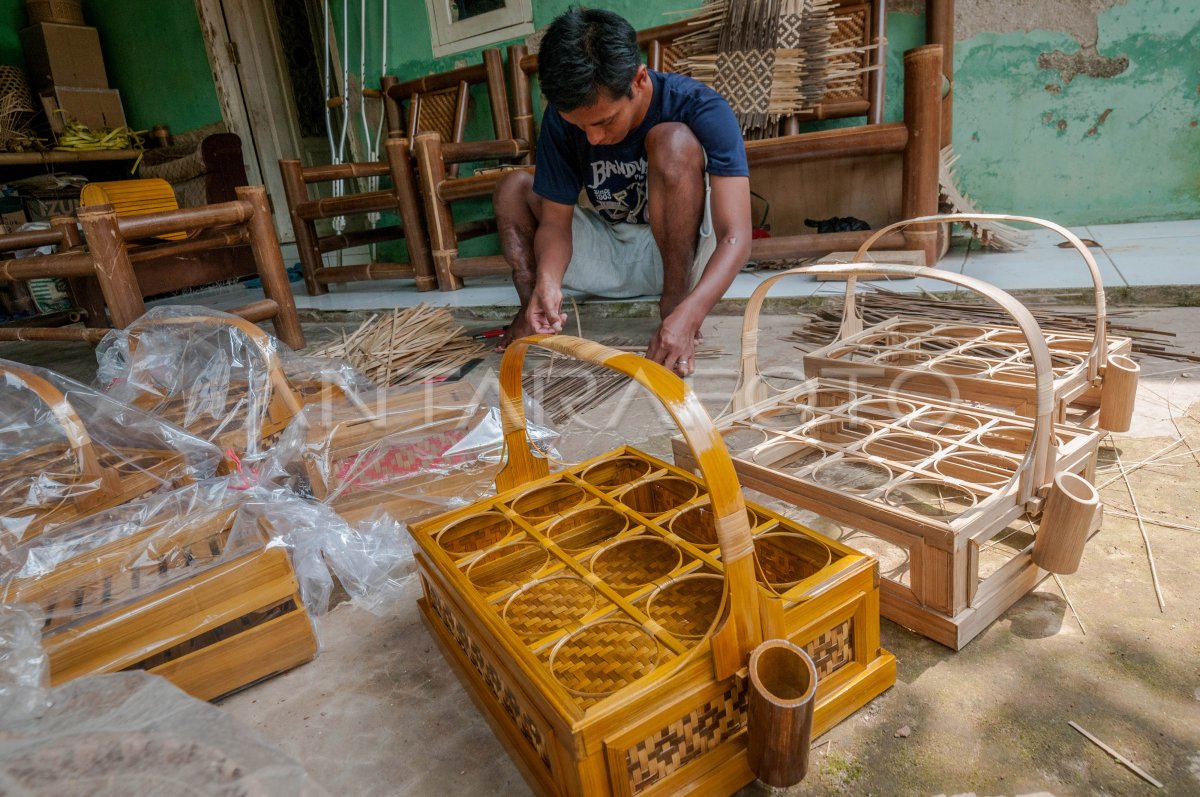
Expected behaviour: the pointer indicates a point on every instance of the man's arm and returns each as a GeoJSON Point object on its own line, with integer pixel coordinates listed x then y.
{"type": "Point", "coordinates": [676, 337]}
{"type": "Point", "coordinates": [552, 250]}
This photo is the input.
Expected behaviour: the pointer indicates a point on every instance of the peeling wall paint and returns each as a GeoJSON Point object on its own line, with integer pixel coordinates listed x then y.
{"type": "Point", "coordinates": [1076, 126]}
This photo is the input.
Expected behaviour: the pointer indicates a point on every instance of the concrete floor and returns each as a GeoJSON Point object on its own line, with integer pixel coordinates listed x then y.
{"type": "Point", "coordinates": [380, 713]}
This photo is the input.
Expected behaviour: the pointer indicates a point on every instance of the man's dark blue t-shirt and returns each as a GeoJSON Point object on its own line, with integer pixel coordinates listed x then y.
{"type": "Point", "coordinates": [615, 175]}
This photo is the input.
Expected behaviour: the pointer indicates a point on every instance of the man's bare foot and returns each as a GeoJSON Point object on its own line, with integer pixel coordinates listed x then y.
{"type": "Point", "coordinates": [519, 328]}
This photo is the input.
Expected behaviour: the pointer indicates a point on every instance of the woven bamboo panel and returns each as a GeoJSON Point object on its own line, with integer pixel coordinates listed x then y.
{"type": "Point", "coordinates": [853, 35]}
{"type": "Point", "coordinates": [438, 112]}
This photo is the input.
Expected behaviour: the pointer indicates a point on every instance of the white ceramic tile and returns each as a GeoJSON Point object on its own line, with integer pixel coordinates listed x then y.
{"type": "Point", "coordinates": [1108, 235]}
{"type": "Point", "coordinates": [1158, 261]}
{"type": "Point", "coordinates": [1040, 266]}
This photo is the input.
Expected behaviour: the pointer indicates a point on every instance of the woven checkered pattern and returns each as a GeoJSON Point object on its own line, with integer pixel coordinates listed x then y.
{"type": "Point", "coordinates": [851, 33]}
{"type": "Point", "coordinates": [500, 691]}
{"type": "Point", "coordinates": [686, 739]}
{"type": "Point", "coordinates": [436, 114]}
{"type": "Point", "coordinates": [784, 560]}
{"type": "Point", "coordinates": [833, 649]}
{"type": "Point", "coordinates": [745, 77]}
{"type": "Point", "coordinates": [686, 607]}
{"type": "Point", "coordinates": [604, 657]}
{"type": "Point", "coordinates": [549, 607]}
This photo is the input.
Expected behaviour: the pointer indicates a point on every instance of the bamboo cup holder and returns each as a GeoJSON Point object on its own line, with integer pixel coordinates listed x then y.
{"type": "Point", "coordinates": [984, 363]}
{"type": "Point", "coordinates": [934, 480]}
{"type": "Point", "coordinates": [613, 605]}
{"type": "Point", "coordinates": [779, 713]}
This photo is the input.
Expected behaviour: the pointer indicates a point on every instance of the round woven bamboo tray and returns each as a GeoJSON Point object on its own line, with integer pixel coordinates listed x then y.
{"type": "Point", "coordinates": [657, 497]}
{"type": "Point", "coordinates": [616, 472]}
{"type": "Point", "coordinates": [549, 606]}
{"type": "Point", "coordinates": [629, 564]}
{"type": "Point", "coordinates": [507, 566]}
{"type": "Point", "coordinates": [686, 606]}
{"type": "Point", "coordinates": [582, 529]}
{"type": "Point", "coordinates": [785, 559]}
{"type": "Point", "coordinates": [475, 533]}
{"type": "Point", "coordinates": [602, 657]}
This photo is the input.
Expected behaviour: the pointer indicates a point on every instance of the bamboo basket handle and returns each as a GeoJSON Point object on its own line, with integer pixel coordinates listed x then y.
{"type": "Point", "coordinates": [283, 401]}
{"type": "Point", "coordinates": [64, 413]}
{"type": "Point", "coordinates": [1099, 352]}
{"type": "Point", "coordinates": [716, 468]}
{"type": "Point", "coordinates": [1039, 456]}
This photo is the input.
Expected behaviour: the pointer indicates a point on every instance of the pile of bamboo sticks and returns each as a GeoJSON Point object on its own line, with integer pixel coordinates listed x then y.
{"type": "Point", "coordinates": [879, 304]}
{"type": "Point", "coordinates": [410, 345]}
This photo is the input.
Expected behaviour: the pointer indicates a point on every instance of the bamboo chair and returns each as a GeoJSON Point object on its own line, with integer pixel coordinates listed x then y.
{"type": "Point", "coordinates": [88, 470]}
{"type": "Point", "coordinates": [1094, 379]}
{"type": "Point", "coordinates": [439, 157]}
{"type": "Point", "coordinates": [183, 597]}
{"type": "Point", "coordinates": [944, 492]}
{"type": "Point", "coordinates": [609, 619]}
{"type": "Point", "coordinates": [400, 198]}
{"type": "Point", "coordinates": [88, 304]}
{"type": "Point", "coordinates": [121, 260]}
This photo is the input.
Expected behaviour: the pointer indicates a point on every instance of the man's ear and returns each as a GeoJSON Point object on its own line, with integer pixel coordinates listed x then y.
{"type": "Point", "coordinates": [641, 78]}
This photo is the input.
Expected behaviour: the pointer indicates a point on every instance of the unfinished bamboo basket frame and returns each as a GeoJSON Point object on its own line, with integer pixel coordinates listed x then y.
{"type": "Point", "coordinates": [339, 426]}
{"type": "Point", "coordinates": [101, 479]}
{"type": "Point", "coordinates": [133, 604]}
{"type": "Point", "coordinates": [985, 363]}
{"type": "Point", "coordinates": [606, 643]}
{"type": "Point", "coordinates": [927, 453]}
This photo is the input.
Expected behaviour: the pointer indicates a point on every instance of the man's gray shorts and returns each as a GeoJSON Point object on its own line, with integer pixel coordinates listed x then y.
{"type": "Point", "coordinates": [619, 261]}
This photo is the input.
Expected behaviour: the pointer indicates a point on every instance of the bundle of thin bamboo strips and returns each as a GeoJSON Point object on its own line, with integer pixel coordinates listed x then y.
{"type": "Point", "coordinates": [566, 386]}
{"type": "Point", "coordinates": [992, 234]}
{"type": "Point", "coordinates": [879, 304]}
{"type": "Point", "coordinates": [411, 345]}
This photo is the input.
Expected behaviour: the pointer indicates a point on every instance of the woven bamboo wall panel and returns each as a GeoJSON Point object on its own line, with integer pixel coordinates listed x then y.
{"type": "Point", "coordinates": [853, 31]}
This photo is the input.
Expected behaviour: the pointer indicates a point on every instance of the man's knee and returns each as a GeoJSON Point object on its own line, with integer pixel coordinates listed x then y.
{"type": "Point", "coordinates": [673, 151]}
{"type": "Point", "coordinates": [514, 190]}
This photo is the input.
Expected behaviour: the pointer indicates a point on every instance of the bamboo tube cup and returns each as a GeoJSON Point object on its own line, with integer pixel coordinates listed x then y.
{"type": "Point", "coordinates": [1118, 393]}
{"type": "Point", "coordinates": [1065, 524]}
{"type": "Point", "coordinates": [779, 712]}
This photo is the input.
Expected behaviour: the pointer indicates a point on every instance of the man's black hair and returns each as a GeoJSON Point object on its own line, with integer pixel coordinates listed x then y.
{"type": "Point", "coordinates": [584, 51]}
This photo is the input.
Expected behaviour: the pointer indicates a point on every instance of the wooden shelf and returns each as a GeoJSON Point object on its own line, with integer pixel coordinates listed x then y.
{"type": "Point", "coordinates": [55, 156]}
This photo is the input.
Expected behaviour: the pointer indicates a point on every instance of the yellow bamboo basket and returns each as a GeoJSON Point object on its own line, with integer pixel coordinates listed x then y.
{"type": "Point", "coordinates": [603, 617]}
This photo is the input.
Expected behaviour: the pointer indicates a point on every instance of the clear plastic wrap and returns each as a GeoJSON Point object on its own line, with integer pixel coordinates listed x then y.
{"type": "Point", "coordinates": [67, 450]}
{"type": "Point", "coordinates": [134, 735]}
{"type": "Point", "coordinates": [176, 582]}
{"type": "Point", "coordinates": [225, 380]}
{"type": "Point", "coordinates": [24, 669]}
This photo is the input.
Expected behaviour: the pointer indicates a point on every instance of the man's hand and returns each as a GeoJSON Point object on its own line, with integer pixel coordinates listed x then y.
{"type": "Point", "coordinates": [545, 310]}
{"type": "Point", "coordinates": [674, 344]}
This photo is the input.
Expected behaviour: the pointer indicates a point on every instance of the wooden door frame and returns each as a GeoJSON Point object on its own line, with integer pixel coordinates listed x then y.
{"type": "Point", "coordinates": [281, 137]}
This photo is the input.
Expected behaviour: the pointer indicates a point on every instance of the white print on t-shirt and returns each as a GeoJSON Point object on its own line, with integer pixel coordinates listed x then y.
{"type": "Point", "coordinates": [602, 170]}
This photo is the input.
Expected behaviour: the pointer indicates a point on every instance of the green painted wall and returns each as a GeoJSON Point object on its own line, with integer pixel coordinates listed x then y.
{"type": "Point", "coordinates": [1094, 149]}
{"type": "Point", "coordinates": [155, 55]}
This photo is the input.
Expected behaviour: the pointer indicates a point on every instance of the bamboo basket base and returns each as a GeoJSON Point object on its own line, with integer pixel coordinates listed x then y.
{"type": "Point", "coordinates": [552, 599]}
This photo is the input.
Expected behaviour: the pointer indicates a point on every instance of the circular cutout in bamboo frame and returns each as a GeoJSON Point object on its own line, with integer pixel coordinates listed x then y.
{"type": "Point", "coordinates": [978, 467]}
{"type": "Point", "coordinates": [686, 606]}
{"type": "Point", "coordinates": [628, 565]}
{"type": "Point", "coordinates": [581, 529]}
{"type": "Point", "coordinates": [1010, 336]}
{"type": "Point", "coordinates": [785, 558]}
{"type": "Point", "coordinates": [890, 337]}
{"type": "Point", "coordinates": [992, 352]}
{"type": "Point", "coordinates": [911, 327]}
{"type": "Point", "coordinates": [959, 365]}
{"type": "Point", "coordinates": [901, 447]}
{"type": "Point", "coordinates": [740, 439]}
{"type": "Point", "coordinates": [959, 332]}
{"type": "Point", "coordinates": [858, 476]}
{"type": "Point", "coordinates": [616, 472]}
{"type": "Point", "coordinates": [547, 501]}
{"type": "Point", "coordinates": [474, 533]}
{"type": "Point", "coordinates": [549, 606]}
{"type": "Point", "coordinates": [506, 566]}
{"type": "Point", "coordinates": [944, 423]}
{"type": "Point", "coordinates": [935, 344]}
{"type": "Point", "coordinates": [1061, 362]}
{"type": "Point", "coordinates": [1013, 439]}
{"type": "Point", "coordinates": [836, 430]}
{"type": "Point", "coordinates": [1015, 375]}
{"type": "Point", "coordinates": [660, 495]}
{"type": "Point", "coordinates": [603, 657]}
{"type": "Point", "coordinates": [882, 409]}
{"type": "Point", "coordinates": [903, 358]}
{"type": "Point", "coordinates": [828, 398]}
{"type": "Point", "coordinates": [931, 498]}
{"type": "Point", "coordinates": [1069, 345]}
{"type": "Point", "coordinates": [697, 526]}
{"type": "Point", "coordinates": [783, 418]}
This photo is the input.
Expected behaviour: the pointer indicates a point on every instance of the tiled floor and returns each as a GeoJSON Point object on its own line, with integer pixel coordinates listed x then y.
{"type": "Point", "coordinates": [1129, 255]}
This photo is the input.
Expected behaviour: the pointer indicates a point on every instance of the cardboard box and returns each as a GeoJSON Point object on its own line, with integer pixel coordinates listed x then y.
{"type": "Point", "coordinates": [99, 109]}
{"type": "Point", "coordinates": [63, 55]}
